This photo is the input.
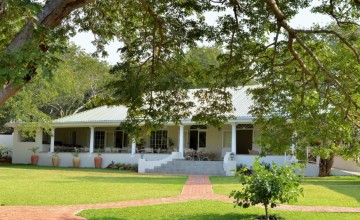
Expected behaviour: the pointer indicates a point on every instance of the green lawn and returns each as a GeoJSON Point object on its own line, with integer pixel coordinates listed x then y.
{"type": "Point", "coordinates": [326, 191]}
{"type": "Point", "coordinates": [204, 210]}
{"type": "Point", "coordinates": [26, 185]}
{"type": "Point", "coordinates": [70, 169]}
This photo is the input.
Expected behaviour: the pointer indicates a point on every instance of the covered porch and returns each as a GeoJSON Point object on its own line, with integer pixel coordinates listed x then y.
{"type": "Point", "coordinates": [186, 138]}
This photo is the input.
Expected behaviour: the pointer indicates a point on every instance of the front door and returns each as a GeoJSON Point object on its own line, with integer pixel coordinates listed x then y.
{"type": "Point", "coordinates": [243, 141]}
{"type": "Point", "coordinates": [194, 139]}
{"type": "Point", "coordinates": [197, 139]}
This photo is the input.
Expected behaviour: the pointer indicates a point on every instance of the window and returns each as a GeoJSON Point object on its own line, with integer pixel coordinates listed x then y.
{"type": "Point", "coordinates": [158, 139]}
{"type": "Point", "coordinates": [25, 136]}
{"type": "Point", "coordinates": [99, 139]}
{"type": "Point", "coordinates": [46, 138]}
{"type": "Point", "coordinates": [197, 136]}
{"type": "Point", "coordinates": [121, 139]}
{"type": "Point", "coordinates": [227, 139]}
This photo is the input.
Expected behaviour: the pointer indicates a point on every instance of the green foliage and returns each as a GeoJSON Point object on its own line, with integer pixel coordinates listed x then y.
{"type": "Point", "coordinates": [76, 152]}
{"type": "Point", "coordinates": [77, 81]}
{"type": "Point", "coordinates": [4, 151]}
{"type": "Point", "coordinates": [267, 186]}
{"type": "Point", "coordinates": [308, 75]}
{"type": "Point", "coordinates": [34, 149]}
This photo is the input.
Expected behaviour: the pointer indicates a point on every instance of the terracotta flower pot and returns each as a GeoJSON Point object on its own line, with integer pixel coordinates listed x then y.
{"type": "Point", "coordinates": [34, 160]}
{"type": "Point", "coordinates": [97, 161]}
{"type": "Point", "coordinates": [55, 161]}
{"type": "Point", "coordinates": [76, 162]}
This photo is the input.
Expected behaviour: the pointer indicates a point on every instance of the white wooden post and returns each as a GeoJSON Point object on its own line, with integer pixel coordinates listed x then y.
{"type": "Point", "coordinates": [233, 138]}
{"type": "Point", "coordinates": [181, 140]}
{"type": "Point", "coordinates": [52, 140]}
{"type": "Point", "coordinates": [133, 146]}
{"type": "Point", "coordinates": [92, 140]}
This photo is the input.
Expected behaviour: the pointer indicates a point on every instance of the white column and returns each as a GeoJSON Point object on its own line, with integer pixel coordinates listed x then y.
{"type": "Point", "coordinates": [233, 138]}
{"type": "Point", "coordinates": [92, 139]}
{"type": "Point", "coordinates": [181, 139]}
{"type": "Point", "coordinates": [52, 140]}
{"type": "Point", "coordinates": [133, 146]}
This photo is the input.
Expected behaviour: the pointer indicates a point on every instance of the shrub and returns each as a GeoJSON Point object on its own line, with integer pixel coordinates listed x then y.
{"type": "Point", "coordinates": [268, 186]}
{"type": "Point", "coordinates": [242, 168]}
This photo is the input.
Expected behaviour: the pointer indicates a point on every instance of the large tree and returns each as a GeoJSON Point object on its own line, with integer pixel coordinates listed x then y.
{"type": "Point", "coordinates": [153, 73]}
{"type": "Point", "coordinates": [77, 84]}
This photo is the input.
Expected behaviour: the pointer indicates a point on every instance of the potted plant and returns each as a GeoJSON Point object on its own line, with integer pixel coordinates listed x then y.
{"type": "Point", "coordinates": [76, 159]}
{"type": "Point", "coordinates": [34, 157]}
{"type": "Point", "coordinates": [55, 160]}
{"type": "Point", "coordinates": [98, 159]}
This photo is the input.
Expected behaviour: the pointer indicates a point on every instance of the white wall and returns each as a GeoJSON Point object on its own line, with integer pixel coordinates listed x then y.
{"type": "Point", "coordinates": [248, 160]}
{"type": "Point", "coordinates": [6, 140]}
{"type": "Point", "coordinates": [87, 160]}
{"type": "Point", "coordinates": [20, 151]}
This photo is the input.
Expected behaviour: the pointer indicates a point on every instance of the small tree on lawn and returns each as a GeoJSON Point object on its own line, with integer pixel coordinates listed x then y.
{"type": "Point", "coordinates": [268, 186]}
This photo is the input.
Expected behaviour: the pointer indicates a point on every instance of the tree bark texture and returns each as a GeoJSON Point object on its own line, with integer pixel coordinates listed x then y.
{"type": "Point", "coordinates": [51, 16]}
{"type": "Point", "coordinates": [325, 166]}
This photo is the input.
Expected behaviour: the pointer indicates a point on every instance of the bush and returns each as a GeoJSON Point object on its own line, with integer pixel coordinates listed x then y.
{"type": "Point", "coordinates": [124, 166]}
{"type": "Point", "coordinates": [242, 168]}
{"type": "Point", "coordinates": [268, 185]}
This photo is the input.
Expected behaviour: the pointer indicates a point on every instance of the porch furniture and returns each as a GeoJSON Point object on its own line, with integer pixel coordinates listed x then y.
{"type": "Point", "coordinates": [107, 149]}
{"type": "Point", "coordinates": [199, 155]}
{"type": "Point", "coordinates": [148, 150]}
{"type": "Point", "coordinates": [125, 150]}
{"type": "Point", "coordinates": [115, 150]}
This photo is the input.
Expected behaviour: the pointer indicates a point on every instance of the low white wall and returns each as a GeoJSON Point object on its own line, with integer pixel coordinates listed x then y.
{"type": "Point", "coordinates": [311, 169]}
{"type": "Point", "coordinates": [229, 165]}
{"type": "Point", "coordinates": [6, 140]}
{"type": "Point", "coordinates": [87, 160]}
{"type": "Point", "coordinates": [248, 160]}
{"type": "Point", "coordinates": [341, 164]}
{"type": "Point", "coordinates": [279, 160]}
{"type": "Point", "coordinates": [150, 164]}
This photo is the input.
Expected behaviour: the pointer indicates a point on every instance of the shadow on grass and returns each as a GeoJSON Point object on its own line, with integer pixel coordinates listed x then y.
{"type": "Point", "coordinates": [346, 185]}
{"type": "Point", "coordinates": [333, 180]}
{"type": "Point", "coordinates": [30, 167]}
{"type": "Point", "coordinates": [132, 179]}
{"type": "Point", "coordinates": [192, 217]}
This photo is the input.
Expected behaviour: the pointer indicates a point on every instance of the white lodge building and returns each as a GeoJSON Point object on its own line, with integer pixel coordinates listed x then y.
{"type": "Point", "coordinates": [99, 130]}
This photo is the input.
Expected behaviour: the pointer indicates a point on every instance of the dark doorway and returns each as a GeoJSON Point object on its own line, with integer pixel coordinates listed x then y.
{"type": "Point", "coordinates": [194, 139]}
{"type": "Point", "coordinates": [243, 141]}
{"type": "Point", "coordinates": [197, 139]}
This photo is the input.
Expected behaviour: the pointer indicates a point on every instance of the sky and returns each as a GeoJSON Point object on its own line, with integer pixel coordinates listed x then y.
{"type": "Point", "coordinates": [303, 19]}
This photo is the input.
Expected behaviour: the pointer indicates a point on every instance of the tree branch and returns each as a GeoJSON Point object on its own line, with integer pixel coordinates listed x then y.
{"type": "Point", "coordinates": [2, 8]}
{"type": "Point", "coordinates": [50, 17]}
{"type": "Point", "coordinates": [327, 72]}
{"type": "Point", "coordinates": [338, 35]}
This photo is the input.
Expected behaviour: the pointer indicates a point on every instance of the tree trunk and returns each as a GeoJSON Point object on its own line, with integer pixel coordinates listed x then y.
{"type": "Point", "coordinates": [51, 16]}
{"type": "Point", "coordinates": [266, 213]}
{"type": "Point", "coordinates": [325, 166]}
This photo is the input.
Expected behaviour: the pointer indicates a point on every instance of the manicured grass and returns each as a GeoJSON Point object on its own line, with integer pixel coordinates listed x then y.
{"type": "Point", "coordinates": [204, 210]}
{"type": "Point", "coordinates": [328, 191]}
{"type": "Point", "coordinates": [40, 186]}
{"type": "Point", "coordinates": [25, 166]}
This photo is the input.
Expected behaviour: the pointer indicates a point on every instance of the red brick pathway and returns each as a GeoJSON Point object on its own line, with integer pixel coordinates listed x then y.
{"type": "Point", "coordinates": [196, 188]}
